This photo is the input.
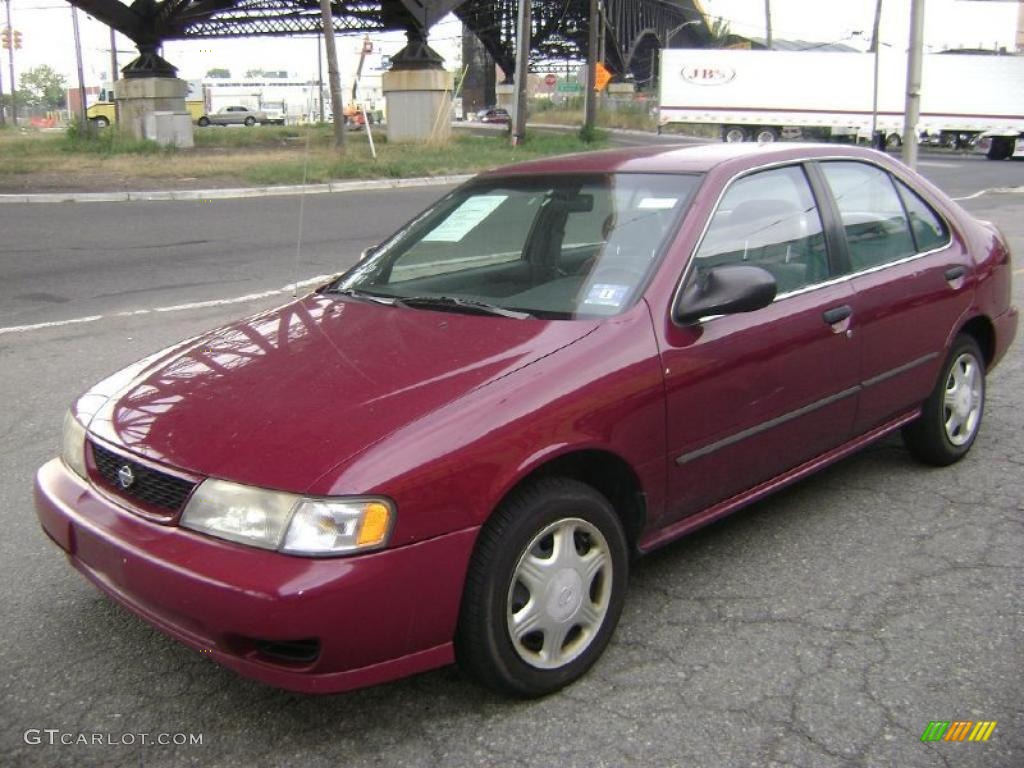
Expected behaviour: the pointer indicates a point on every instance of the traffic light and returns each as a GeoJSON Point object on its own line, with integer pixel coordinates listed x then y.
{"type": "Point", "coordinates": [11, 38]}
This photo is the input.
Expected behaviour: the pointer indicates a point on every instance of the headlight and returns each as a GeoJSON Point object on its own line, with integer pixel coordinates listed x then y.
{"type": "Point", "coordinates": [72, 445]}
{"type": "Point", "coordinates": [288, 522]}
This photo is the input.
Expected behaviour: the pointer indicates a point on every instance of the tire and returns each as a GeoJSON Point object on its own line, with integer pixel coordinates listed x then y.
{"type": "Point", "coordinates": [250, 121]}
{"type": "Point", "coordinates": [766, 135]}
{"type": "Point", "coordinates": [101, 122]}
{"type": "Point", "coordinates": [893, 141]}
{"type": "Point", "coordinates": [521, 554]}
{"type": "Point", "coordinates": [733, 134]}
{"type": "Point", "coordinates": [203, 121]}
{"type": "Point", "coordinates": [951, 416]}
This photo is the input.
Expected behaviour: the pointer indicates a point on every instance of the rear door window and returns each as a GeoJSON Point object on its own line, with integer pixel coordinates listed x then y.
{"type": "Point", "coordinates": [877, 232]}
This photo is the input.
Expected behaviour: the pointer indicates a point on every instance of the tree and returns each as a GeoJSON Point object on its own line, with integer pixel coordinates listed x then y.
{"type": "Point", "coordinates": [42, 87]}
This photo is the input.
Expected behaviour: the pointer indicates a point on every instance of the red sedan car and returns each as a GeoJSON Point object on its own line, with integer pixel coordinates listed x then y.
{"type": "Point", "coordinates": [453, 450]}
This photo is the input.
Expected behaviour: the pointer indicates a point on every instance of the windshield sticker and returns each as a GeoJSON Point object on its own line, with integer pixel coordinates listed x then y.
{"type": "Point", "coordinates": [657, 203]}
{"type": "Point", "coordinates": [463, 219]}
{"type": "Point", "coordinates": [607, 295]}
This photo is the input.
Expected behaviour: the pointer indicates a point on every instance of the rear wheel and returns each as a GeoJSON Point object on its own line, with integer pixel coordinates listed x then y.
{"type": "Point", "coordinates": [733, 134]}
{"type": "Point", "coordinates": [894, 141]}
{"type": "Point", "coordinates": [203, 121]}
{"type": "Point", "coordinates": [951, 416]}
{"type": "Point", "coordinates": [766, 135]}
{"type": "Point", "coordinates": [250, 121]}
{"type": "Point", "coordinates": [101, 122]}
{"type": "Point", "coordinates": [544, 590]}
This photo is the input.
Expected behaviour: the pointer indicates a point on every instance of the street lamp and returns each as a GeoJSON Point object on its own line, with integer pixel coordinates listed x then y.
{"type": "Point", "coordinates": [669, 35]}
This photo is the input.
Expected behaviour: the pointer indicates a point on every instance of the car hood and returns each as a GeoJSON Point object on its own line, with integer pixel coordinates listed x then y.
{"type": "Point", "coordinates": [278, 399]}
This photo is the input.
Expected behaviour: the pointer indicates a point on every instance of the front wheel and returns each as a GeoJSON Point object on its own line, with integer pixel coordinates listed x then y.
{"type": "Point", "coordinates": [544, 590]}
{"type": "Point", "coordinates": [101, 122]}
{"type": "Point", "coordinates": [250, 121]}
{"type": "Point", "coordinates": [951, 416]}
{"type": "Point", "coordinates": [203, 121]}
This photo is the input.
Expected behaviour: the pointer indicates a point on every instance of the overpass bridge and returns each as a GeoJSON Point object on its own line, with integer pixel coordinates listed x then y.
{"type": "Point", "coordinates": [633, 30]}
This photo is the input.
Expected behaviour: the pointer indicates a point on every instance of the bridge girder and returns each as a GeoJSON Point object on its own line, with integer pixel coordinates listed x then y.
{"type": "Point", "coordinates": [559, 27]}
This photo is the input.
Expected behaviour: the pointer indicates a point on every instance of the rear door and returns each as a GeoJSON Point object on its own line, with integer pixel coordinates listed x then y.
{"type": "Point", "coordinates": [752, 395]}
{"type": "Point", "coordinates": [912, 278]}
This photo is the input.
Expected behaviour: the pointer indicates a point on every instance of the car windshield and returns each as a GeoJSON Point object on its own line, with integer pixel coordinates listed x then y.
{"type": "Point", "coordinates": [556, 247]}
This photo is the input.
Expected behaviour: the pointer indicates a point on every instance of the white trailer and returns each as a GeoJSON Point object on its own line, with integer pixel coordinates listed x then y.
{"type": "Point", "coordinates": [764, 95]}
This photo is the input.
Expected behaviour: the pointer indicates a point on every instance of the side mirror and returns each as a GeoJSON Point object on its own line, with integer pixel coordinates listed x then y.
{"type": "Point", "coordinates": [368, 252]}
{"type": "Point", "coordinates": [725, 290]}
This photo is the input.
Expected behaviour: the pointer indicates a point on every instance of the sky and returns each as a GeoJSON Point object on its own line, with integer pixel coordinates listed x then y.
{"type": "Point", "coordinates": [47, 35]}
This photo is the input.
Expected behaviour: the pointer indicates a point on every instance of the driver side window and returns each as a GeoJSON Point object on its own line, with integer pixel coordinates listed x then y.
{"type": "Point", "coordinates": [768, 220]}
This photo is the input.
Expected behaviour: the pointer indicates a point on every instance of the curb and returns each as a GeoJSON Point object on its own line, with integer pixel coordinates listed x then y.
{"type": "Point", "coordinates": [228, 194]}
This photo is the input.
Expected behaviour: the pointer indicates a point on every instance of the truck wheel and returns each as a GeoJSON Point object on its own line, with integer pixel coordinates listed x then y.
{"type": "Point", "coordinates": [766, 135]}
{"type": "Point", "coordinates": [1000, 148]}
{"type": "Point", "coordinates": [100, 122]}
{"type": "Point", "coordinates": [250, 121]}
{"type": "Point", "coordinates": [733, 134]}
{"type": "Point", "coordinates": [203, 121]}
{"type": "Point", "coordinates": [893, 141]}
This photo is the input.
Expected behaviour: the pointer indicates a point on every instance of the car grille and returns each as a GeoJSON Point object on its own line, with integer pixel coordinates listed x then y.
{"type": "Point", "coordinates": [153, 490]}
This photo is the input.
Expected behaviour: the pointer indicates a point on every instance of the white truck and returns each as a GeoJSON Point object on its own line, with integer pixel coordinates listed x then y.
{"type": "Point", "coordinates": [757, 95]}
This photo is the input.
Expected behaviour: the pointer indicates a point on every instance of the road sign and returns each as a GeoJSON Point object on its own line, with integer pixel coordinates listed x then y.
{"type": "Point", "coordinates": [550, 80]}
{"type": "Point", "coordinates": [568, 87]}
{"type": "Point", "coordinates": [602, 77]}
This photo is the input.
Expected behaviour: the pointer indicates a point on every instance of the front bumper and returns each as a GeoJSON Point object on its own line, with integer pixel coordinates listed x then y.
{"type": "Point", "coordinates": [376, 617]}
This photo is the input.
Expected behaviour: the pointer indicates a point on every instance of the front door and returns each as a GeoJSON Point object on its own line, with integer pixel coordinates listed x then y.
{"type": "Point", "coordinates": [752, 395]}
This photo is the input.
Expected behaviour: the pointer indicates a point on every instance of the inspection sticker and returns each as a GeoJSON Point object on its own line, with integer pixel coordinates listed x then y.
{"type": "Point", "coordinates": [657, 203]}
{"type": "Point", "coordinates": [463, 219]}
{"type": "Point", "coordinates": [607, 295]}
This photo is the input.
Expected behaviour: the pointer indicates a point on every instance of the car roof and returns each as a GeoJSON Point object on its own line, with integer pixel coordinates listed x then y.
{"type": "Point", "coordinates": [683, 158]}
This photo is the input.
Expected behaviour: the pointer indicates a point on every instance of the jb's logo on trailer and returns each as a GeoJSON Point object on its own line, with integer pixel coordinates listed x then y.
{"type": "Point", "coordinates": [700, 74]}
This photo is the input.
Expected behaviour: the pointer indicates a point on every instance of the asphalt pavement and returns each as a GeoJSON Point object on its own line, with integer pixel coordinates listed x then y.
{"type": "Point", "coordinates": [826, 626]}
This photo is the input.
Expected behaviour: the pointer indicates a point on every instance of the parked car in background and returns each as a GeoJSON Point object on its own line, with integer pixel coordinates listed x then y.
{"type": "Point", "coordinates": [453, 450]}
{"type": "Point", "coordinates": [234, 116]}
{"type": "Point", "coordinates": [493, 115]}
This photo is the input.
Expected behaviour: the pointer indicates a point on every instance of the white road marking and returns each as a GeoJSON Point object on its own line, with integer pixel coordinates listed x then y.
{"type": "Point", "coordinates": [934, 164]}
{"type": "Point", "coordinates": [973, 195]}
{"type": "Point", "coordinates": [173, 308]}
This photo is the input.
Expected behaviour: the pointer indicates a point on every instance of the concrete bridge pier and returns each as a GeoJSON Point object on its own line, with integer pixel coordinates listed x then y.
{"type": "Point", "coordinates": [151, 100]}
{"type": "Point", "coordinates": [418, 92]}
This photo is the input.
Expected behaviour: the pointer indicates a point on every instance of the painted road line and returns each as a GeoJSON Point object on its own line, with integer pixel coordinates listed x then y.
{"type": "Point", "coordinates": [290, 288]}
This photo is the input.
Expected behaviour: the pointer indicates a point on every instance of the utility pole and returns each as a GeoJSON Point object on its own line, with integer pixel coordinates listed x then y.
{"type": "Point", "coordinates": [768, 23]}
{"type": "Point", "coordinates": [337, 102]}
{"type": "Point", "coordinates": [522, 68]}
{"type": "Point", "coordinates": [913, 103]}
{"type": "Point", "coordinates": [590, 93]}
{"type": "Point", "coordinates": [83, 118]}
{"type": "Point", "coordinates": [875, 43]}
{"type": "Point", "coordinates": [3, 119]}
{"type": "Point", "coordinates": [10, 61]}
{"type": "Point", "coordinates": [320, 74]}
{"type": "Point", "coordinates": [113, 74]}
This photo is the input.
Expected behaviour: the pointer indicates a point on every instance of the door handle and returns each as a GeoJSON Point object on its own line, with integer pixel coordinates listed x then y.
{"type": "Point", "coordinates": [955, 273]}
{"type": "Point", "coordinates": [837, 314]}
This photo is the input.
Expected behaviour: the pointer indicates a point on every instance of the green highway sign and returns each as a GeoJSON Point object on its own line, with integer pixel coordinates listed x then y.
{"type": "Point", "coordinates": [568, 87]}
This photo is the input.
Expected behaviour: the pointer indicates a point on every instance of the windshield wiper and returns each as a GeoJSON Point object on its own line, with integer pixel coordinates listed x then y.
{"type": "Point", "coordinates": [357, 294]}
{"type": "Point", "coordinates": [455, 302]}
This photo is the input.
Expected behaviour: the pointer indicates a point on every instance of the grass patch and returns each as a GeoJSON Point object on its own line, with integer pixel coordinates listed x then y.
{"type": "Point", "coordinates": [267, 155]}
